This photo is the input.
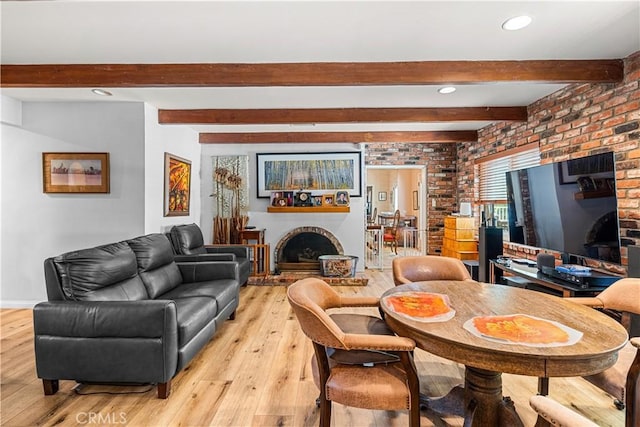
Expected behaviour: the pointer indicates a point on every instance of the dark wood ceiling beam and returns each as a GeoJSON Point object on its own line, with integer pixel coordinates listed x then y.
{"type": "Point", "coordinates": [310, 74]}
{"type": "Point", "coordinates": [351, 137]}
{"type": "Point", "coordinates": [340, 115]}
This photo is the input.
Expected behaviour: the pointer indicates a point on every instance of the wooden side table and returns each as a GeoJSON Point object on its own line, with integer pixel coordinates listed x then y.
{"type": "Point", "coordinates": [256, 234]}
{"type": "Point", "coordinates": [259, 251]}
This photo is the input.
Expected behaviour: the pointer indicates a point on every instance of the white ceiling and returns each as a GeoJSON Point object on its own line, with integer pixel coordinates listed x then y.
{"type": "Point", "coordinates": [83, 32]}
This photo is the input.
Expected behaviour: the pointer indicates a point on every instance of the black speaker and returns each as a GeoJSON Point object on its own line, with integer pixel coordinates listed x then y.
{"type": "Point", "coordinates": [633, 266]}
{"type": "Point", "coordinates": [489, 247]}
{"type": "Point", "coordinates": [545, 260]}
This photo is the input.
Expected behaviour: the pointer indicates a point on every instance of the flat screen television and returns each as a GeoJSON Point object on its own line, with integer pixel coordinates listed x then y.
{"type": "Point", "coordinates": [569, 207]}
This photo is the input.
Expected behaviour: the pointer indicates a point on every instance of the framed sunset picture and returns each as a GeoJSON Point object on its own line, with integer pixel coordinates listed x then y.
{"type": "Point", "coordinates": [75, 172]}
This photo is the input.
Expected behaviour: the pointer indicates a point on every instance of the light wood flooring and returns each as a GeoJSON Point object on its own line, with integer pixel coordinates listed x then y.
{"type": "Point", "coordinates": [254, 372]}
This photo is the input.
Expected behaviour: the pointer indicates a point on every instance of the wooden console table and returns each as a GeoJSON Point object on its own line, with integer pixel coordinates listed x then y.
{"type": "Point", "coordinates": [545, 283]}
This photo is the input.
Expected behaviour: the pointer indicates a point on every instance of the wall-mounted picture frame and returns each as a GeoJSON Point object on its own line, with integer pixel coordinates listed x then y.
{"type": "Point", "coordinates": [75, 172]}
{"type": "Point", "coordinates": [318, 172]}
{"type": "Point", "coordinates": [342, 198]}
{"type": "Point", "coordinates": [382, 196]}
{"type": "Point", "coordinates": [177, 185]}
{"type": "Point", "coordinates": [416, 206]}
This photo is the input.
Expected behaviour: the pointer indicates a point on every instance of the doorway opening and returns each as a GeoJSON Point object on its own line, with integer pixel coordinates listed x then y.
{"type": "Point", "coordinates": [391, 188]}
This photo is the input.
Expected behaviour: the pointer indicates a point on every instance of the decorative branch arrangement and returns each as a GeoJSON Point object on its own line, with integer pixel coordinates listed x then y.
{"type": "Point", "coordinates": [230, 193]}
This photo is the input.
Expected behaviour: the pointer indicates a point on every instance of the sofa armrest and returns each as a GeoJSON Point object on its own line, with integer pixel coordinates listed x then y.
{"type": "Point", "coordinates": [239, 250]}
{"type": "Point", "coordinates": [204, 257]}
{"type": "Point", "coordinates": [94, 319]}
{"type": "Point", "coordinates": [204, 271]}
{"type": "Point", "coordinates": [106, 341]}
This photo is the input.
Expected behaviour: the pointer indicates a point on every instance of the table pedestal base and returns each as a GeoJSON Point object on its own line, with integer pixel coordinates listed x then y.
{"type": "Point", "coordinates": [480, 401]}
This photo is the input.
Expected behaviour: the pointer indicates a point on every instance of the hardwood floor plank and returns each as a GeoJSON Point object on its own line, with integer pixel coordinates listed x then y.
{"type": "Point", "coordinates": [202, 404]}
{"type": "Point", "coordinates": [281, 386]}
{"type": "Point", "coordinates": [254, 372]}
{"type": "Point", "coordinates": [250, 382]}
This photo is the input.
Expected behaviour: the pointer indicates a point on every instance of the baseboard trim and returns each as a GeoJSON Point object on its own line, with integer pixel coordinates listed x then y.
{"type": "Point", "coordinates": [18, 304]}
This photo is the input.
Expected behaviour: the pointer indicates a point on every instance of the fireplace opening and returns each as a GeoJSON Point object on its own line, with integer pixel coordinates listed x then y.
{"type": "Point", "coordinates": [300, 249]}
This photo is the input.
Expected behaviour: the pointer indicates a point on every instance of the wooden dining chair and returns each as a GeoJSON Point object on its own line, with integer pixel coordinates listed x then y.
{"type": "Point", "coordinates": [622, 380]}
{"type": "Point", "coordinates": [358, 360]}
{"type": "Point", "coordinates": [422, 268]}
{"type": "Point", "coordinates": [373, 218]}
{"type": "Point", "coordinates": [391, 234]}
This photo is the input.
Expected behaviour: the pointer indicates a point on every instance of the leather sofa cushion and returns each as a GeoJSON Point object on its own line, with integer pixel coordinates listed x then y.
{"type": "Point", "coordinates": [107, 272]}
{"type": "Point", "coordinates": [188, 239]}
{"type": "Point", "coordinates": [156, 266]}
{"type": "Point", "coordinates": [223, 291]}
{"type": "Point", "coordinates": [193, 314]}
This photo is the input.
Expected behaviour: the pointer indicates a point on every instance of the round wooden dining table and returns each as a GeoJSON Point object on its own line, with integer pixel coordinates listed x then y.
{"type": "Point", "coordinates": [480, 400]}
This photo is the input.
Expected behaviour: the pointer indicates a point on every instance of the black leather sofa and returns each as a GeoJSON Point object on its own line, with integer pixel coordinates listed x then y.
{"type": "Point", "coordinates": [126, 312]}
{"type": "Point", "coordinates": [187, 241]}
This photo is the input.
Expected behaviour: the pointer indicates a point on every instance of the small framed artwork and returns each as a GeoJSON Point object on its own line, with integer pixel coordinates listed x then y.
{"type": "Point", "coordinates": [317, 200]}
{"type": "Point", "coordinates": [415, 201]}
{"type": "Point", "coordinates": [177, 185]}
{"type": "Point", "coordinates": [275, 197]}
{"type": "Point", "coordinates": [382, 196]}
{"type": "Point", "coordinates": [327, 200]}
{"type": "Point", "coordinates": [289, 196]}
{"type": "Point", "coordinates": [75, 172]}
{"type": "Point", "coordinates": [342, 198]}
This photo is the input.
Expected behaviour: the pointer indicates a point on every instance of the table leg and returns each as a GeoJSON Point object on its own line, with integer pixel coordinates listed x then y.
{"type": "Point", "coordinates": [480, 401]}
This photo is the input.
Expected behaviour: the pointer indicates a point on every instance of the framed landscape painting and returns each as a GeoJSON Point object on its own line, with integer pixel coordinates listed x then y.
{"type": "Point", "coordinates": [317, 172]}
{"type": "Point", "coordinates": [75, 172]}
{"type": "Point", "coordinates": [177, 185]}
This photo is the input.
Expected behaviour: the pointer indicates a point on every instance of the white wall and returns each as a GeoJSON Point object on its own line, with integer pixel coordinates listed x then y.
{"type": "Point", "coordinates": [177, 140]}
{"type": "Point", "coordinates": [37, 225]}
{"type": "Point", "coordinates": [348, 228]}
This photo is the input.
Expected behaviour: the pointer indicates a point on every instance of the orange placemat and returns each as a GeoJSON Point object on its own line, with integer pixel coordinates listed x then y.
{"type": "Point", "coordinates": [522, 329]}
{"type": "Point", "coordinates": [421, 306]}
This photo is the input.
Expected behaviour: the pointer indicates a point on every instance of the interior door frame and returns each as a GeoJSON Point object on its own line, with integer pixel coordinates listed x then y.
{"type": "Point", "coordinates": [422, 196]}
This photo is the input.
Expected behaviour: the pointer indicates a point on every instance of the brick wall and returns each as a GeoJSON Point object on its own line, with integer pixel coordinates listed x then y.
{"type": "Point", "coordinates": [440, 160]}
{"type": "Point", "coordinates": [579, 120]}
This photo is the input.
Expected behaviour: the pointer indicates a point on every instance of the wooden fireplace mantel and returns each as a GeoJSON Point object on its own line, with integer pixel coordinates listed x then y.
{"type": "Point", "coordinates": [309, 209]}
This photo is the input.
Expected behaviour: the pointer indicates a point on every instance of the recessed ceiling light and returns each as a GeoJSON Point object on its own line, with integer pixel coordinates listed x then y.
{"type": "Point", "coordinates": [447, 89]}
{"type": "Point", "coordinates": [101, 92]}
{"type": "Point", "coordinates": [516, 23]}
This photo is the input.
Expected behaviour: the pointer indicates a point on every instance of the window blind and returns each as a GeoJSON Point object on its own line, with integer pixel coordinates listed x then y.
{"type": "Point", "coordinates": [491, 173]}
